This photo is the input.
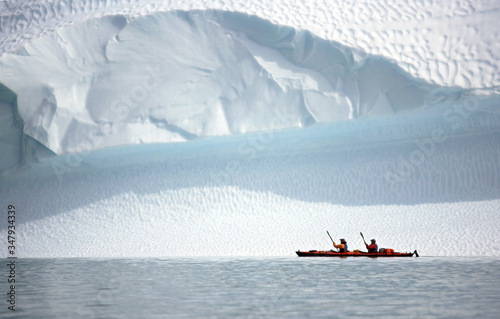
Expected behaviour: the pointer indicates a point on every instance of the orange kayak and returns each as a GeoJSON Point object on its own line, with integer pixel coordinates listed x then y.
{"type": "Point", "coordinates": [331, 253]}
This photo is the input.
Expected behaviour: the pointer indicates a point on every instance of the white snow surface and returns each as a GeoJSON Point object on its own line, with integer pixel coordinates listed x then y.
{"type": "Point", "coordinates": [183, 128]}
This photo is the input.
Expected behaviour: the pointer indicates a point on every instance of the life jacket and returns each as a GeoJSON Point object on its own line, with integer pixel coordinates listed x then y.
{"type": "Point", "coordinates": [373, 251]}
{"type": "Point", "coordinates": [344, 250]}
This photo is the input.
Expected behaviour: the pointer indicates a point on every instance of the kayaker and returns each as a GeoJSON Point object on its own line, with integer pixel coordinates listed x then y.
{"type": "Point", "coordinates": [373, 247]}
{"type": "Point", "coordinates": [342, 246]}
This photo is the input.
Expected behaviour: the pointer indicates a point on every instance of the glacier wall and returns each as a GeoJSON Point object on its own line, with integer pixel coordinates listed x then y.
{"type": "Point", "coordinates": [279, 135]}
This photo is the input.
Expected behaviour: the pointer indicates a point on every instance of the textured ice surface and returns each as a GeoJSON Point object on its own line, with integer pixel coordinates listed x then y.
{"type": "Point", "coordinates": [259, 194]}
{"type": "Point", "coordinates": [178, 76]}
{"type": "Point", "coordinates": [411, 157]}
{"type": "Point", "coordinates": [449, 42]}
{"type": "Point", "coordinates": [277, 196]}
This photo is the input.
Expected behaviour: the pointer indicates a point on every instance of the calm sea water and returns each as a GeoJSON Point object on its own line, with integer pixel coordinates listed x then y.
{"type": "Point", "coordinates": [270, 287]}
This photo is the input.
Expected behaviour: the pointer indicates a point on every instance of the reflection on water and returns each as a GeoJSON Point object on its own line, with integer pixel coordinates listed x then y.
{"type": "Point", "coordinates": [271, 287]}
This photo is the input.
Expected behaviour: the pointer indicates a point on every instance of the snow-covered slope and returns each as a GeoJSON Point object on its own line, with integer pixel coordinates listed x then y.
{"type": "Point", "coordinates": [274, 121]}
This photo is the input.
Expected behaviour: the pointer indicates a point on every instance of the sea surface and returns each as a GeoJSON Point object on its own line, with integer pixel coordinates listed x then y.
{"type": "Point", "coordinates": [254, 287]}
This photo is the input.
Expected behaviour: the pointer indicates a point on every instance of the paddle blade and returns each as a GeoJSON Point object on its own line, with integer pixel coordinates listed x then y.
{"type": "Point", "coordinates": [362, 237]}
{"type": "Point", "coordinates": [329, 235]}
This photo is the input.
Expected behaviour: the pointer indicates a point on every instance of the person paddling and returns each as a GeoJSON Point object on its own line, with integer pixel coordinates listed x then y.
{"type": "Point", "coordinates": [373, 247]}
{"type": "Point", "coordinates": [342, 247]}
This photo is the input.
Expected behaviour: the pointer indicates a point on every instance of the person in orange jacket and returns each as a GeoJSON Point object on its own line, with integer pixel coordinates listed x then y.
{"type": "Point", "coordinates": [342, 246]}
{"type": "Point", "coordinates": [373, 247]}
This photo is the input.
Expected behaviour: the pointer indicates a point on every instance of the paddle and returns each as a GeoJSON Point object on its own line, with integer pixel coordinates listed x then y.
{"type": "Point", "coordinates": [331, 238]}
{"type": "Point", "coordinates": [363, 238]}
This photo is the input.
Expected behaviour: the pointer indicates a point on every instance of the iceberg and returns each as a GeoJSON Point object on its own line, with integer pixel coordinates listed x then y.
{"type": "Point", "coordinates": [225, 128]}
